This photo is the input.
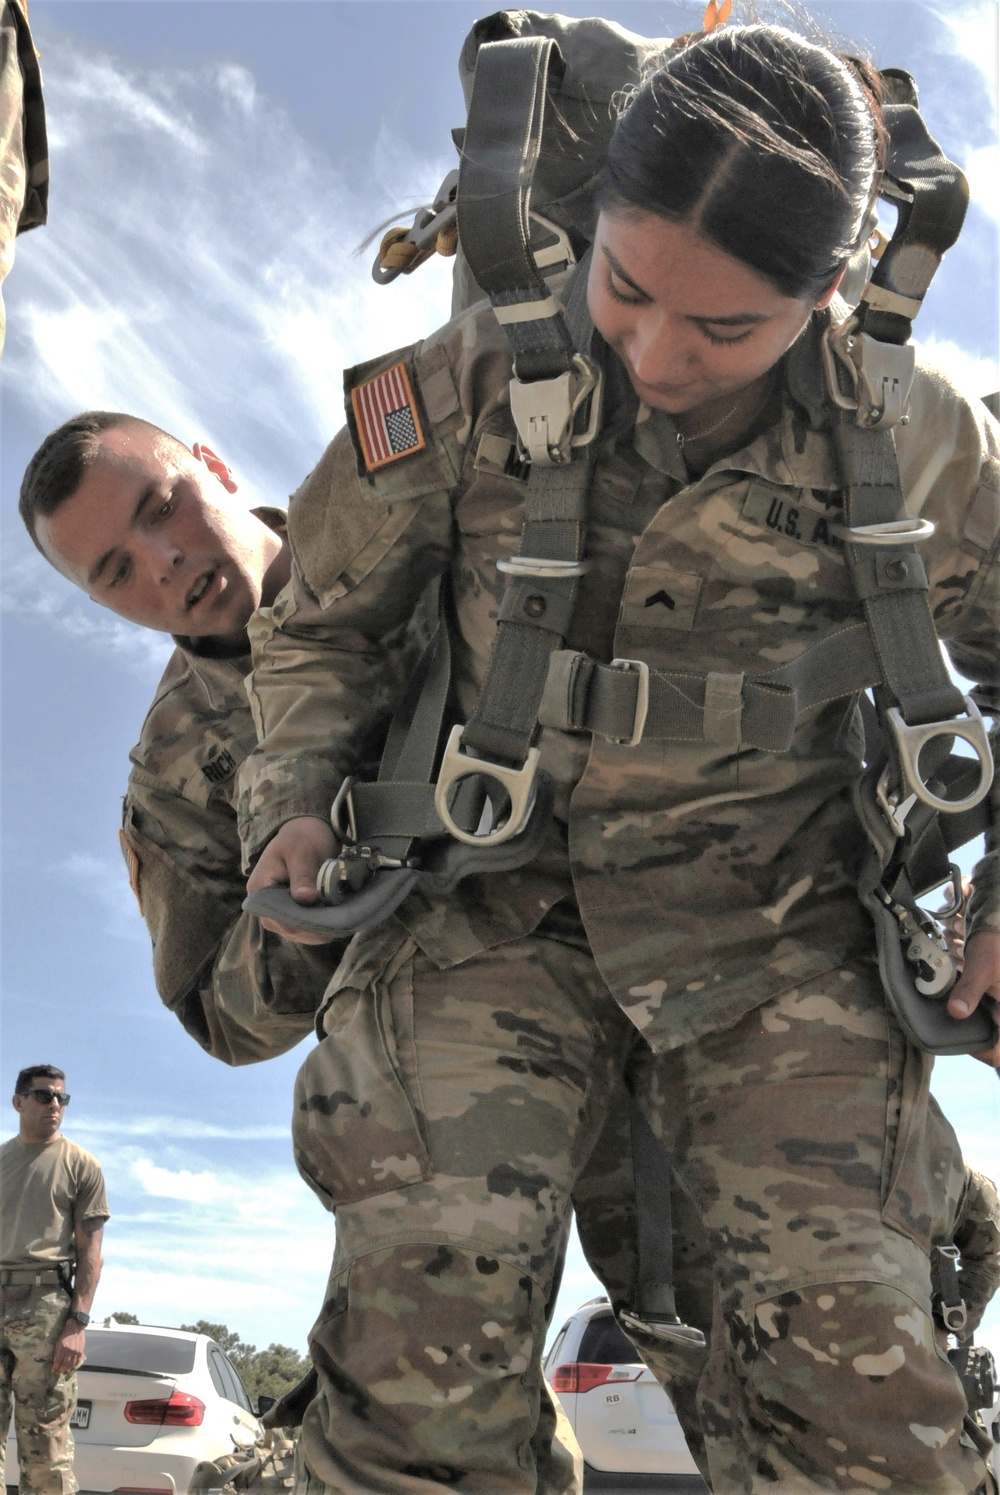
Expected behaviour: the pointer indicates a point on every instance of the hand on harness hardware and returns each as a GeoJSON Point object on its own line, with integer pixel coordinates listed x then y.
{"type": "Point", "coordinates": [980, 979]}
{"type": "Point", "coordinates": [293, 858]}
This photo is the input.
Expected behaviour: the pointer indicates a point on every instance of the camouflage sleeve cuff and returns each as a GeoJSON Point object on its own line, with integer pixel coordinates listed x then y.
{"type": "Point", "coordinates": [280, 791]}
{"type": "Point", "coordinates": [984, 905]}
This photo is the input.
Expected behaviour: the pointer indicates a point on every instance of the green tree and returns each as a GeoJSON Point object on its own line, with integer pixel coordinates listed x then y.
{"type": "Point", "coordinates": [124, 1318]}
{"type": "Point", "coordinates": [273, 1371]}
{"type": "Point", "coordinates": [269, 1372]}
{"type": "Point", "coordinates": [226, 1339]}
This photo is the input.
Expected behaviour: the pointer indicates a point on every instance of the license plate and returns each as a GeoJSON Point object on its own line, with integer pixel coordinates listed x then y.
{"type": "Point", "coordinates": [81, 1415]}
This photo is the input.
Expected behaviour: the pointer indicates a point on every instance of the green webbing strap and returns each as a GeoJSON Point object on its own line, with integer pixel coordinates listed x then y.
{"type": "Point", "coordinates": [757, 711]}
{"type": "Point", "coordinates": [891, 581]}
{"type": "Point", "coordinates": [535, 615]}
{"type": "Point", "coordinates": [931, 197]}
{"type": "Point", "coordinates": [500, 149]}
{"type": "Point", "coordinates": [535, 611]}
{"type": "Point", "coordinates": [654, 1286]}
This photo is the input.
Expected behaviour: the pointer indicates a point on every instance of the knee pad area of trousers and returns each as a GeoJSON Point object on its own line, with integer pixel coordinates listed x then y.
{"type": "Point", "coordinates": [848, 1377]}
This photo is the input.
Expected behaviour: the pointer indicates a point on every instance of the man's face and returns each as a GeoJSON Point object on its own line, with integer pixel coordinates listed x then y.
{"type": "Point", "coordinates": [40, 1119]}
{"type": "Point", "coordinates": [152, 534]}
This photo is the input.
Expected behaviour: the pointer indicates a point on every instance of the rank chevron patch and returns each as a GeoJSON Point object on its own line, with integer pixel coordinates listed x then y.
{"type": "Point", "coordinates": [386, 414]}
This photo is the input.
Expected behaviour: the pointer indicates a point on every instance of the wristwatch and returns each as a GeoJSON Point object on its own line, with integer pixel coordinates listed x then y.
{"type": "Point", "coordinates": [82, 1318]}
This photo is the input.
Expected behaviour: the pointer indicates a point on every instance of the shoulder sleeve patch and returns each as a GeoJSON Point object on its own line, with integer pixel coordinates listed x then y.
{"type": "Point", "coordinates": [387, 419]}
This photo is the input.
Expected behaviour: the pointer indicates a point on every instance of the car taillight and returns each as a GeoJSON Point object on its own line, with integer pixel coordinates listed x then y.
{"type": "Point", "coordinates": [582, 1375]}
{"type": "Point", "coordinates": [182, 1411]}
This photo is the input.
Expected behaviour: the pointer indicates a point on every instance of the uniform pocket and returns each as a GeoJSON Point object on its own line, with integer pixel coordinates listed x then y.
{"type": "Point", "coordinates": [355, 1127]}
{"type": "Point", "coordinates": [920, 1148]}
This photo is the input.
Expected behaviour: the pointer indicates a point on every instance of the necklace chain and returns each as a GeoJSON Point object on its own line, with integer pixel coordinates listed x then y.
{"type": "Point", "coordinates": [683, 440]}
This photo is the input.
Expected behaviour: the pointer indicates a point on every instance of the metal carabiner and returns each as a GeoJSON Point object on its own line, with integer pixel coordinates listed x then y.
{"type": "Point", "coordinates": [519, 784]}
{"type": "Point", "coordinates": [910, 741]}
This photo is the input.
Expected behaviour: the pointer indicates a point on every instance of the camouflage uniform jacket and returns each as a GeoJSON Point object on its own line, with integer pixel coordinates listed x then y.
{"type": "Point", "coordinates": [24, 179]}
{"type": "Point", "coordinates": [24, 154]}
{"type": "Point", "coordinates": [241, 992]}
{"type": "Point", "coordinates": [708, 878]}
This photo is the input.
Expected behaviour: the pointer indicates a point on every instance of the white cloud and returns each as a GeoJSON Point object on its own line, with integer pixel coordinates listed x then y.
{"type": "Point", "coordinates": [214, 289]}
{"type": "Point", "coordinates": [982, 167]}
{"type": "Point", "coordinates": [180, 1128]}
{"type": "Point", "coordinates": [200, 272]}
{"type": "Point", "coordinates": [106, 883]}
{"type": "Point", "coordinates": [973, 32]}
{"type": "Point", "coordinates": [974, 374]}
{"type": "Point", "coordinates": [31, 589]}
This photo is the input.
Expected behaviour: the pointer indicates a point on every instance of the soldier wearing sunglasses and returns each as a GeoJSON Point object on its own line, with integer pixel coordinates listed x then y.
{"type": "Point", "coordinates": [51, 1223]}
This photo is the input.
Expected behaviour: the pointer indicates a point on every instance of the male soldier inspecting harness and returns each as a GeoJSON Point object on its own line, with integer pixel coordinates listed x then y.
{"type": "Point", "coordinates": [54, 1209]}
{"type": "Point", "coordinates": [151, 529]}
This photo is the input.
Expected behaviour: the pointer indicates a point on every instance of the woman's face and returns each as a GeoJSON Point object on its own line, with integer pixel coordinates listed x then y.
{"type": "Point", "coordinates": [690, 323]}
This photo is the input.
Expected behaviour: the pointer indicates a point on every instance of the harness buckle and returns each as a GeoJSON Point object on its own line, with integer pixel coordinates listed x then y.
{"type": "Point", "coordinates": [947, 1297]}
{"type": "Point", "coordinates": [519, 784]}
{"type": "Point", "coordinates": [354, 869]}
{"type": "Point", "coordinates": [559, 253]}
{"type": "Point", "coordinates": [889, 802]}
{"type": "Point", "coordinates": [923, 946]}
{"type": "Point", "coordinates": [910, 741]}
{"type": "Point", "coordinates": [544, 411]}
{"type": "Point", "coordinates": [957, 898]}
{"type": "Point", "coordinates": [347, 834]}
{"type": "Point", "coordinates": [641, 699]}
{"type": "Point", "coordinates": [880, 375]}
{"type": "Point", "coordinates": [670, 1330]}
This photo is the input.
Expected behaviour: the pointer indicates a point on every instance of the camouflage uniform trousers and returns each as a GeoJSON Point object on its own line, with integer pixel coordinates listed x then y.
{"type": "Point", "coordinates": [31, 1319]}
{"type": "Point", "coordinates": [448, 1116]}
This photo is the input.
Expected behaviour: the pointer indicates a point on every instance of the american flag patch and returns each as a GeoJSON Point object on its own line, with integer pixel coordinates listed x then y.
{"type": "Point", "coordinates": [132, 863]}
{"type": "Point", "coordinates": [386, 415]}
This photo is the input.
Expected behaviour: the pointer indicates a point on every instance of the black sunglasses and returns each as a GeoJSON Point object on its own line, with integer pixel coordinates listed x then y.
{"type": "Point", "coordinates": [46, 1097]}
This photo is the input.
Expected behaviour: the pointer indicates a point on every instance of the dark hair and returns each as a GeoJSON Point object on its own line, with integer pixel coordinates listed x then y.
{"type": "Point", "coordinates": [36, 1072]}
{"type": "Point", "coordinates": [58, 467]}
{"type": "Point", "coordinates": [771, 145]}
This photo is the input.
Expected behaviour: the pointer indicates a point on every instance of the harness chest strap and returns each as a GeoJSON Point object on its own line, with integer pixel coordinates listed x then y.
{"type": "Point", "coordinates": [629, 702]}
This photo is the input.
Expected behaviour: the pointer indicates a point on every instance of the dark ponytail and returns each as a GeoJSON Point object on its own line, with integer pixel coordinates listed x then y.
{"type": "Point", "coordinates": [771, 145]}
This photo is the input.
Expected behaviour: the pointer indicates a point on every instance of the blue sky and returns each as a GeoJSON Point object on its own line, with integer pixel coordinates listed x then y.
{"type": "Point", "coordinates": [214, 166]}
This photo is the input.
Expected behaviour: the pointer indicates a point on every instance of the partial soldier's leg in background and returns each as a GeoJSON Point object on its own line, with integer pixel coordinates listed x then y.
{"type": "Point", "coordinates": [605, 1201]}
{"type": "Point", "coordinates": [43, 1403]}
{"type": "Point", "coordinates": [446, 1115]}
{"type": "Point", "coordinates": [805, 1136]}
{"type": "Point", "coordinates": [6, 1395]}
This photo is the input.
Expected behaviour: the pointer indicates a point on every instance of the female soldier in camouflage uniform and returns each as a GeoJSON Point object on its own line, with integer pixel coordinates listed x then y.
{"type": "Point", "coordinates": [692, 922]}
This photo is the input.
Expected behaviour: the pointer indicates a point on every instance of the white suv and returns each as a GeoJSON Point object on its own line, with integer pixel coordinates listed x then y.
{"type": "Point", "coordinates": [620, 1413]}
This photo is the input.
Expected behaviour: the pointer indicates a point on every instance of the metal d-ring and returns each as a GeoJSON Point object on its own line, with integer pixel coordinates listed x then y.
{"type": "Point", "coordinates": [894, 532]}
{"type": "Point", "coordinates": [910, 741]}
{"type": "Point", "coordinates": [518, 782]}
